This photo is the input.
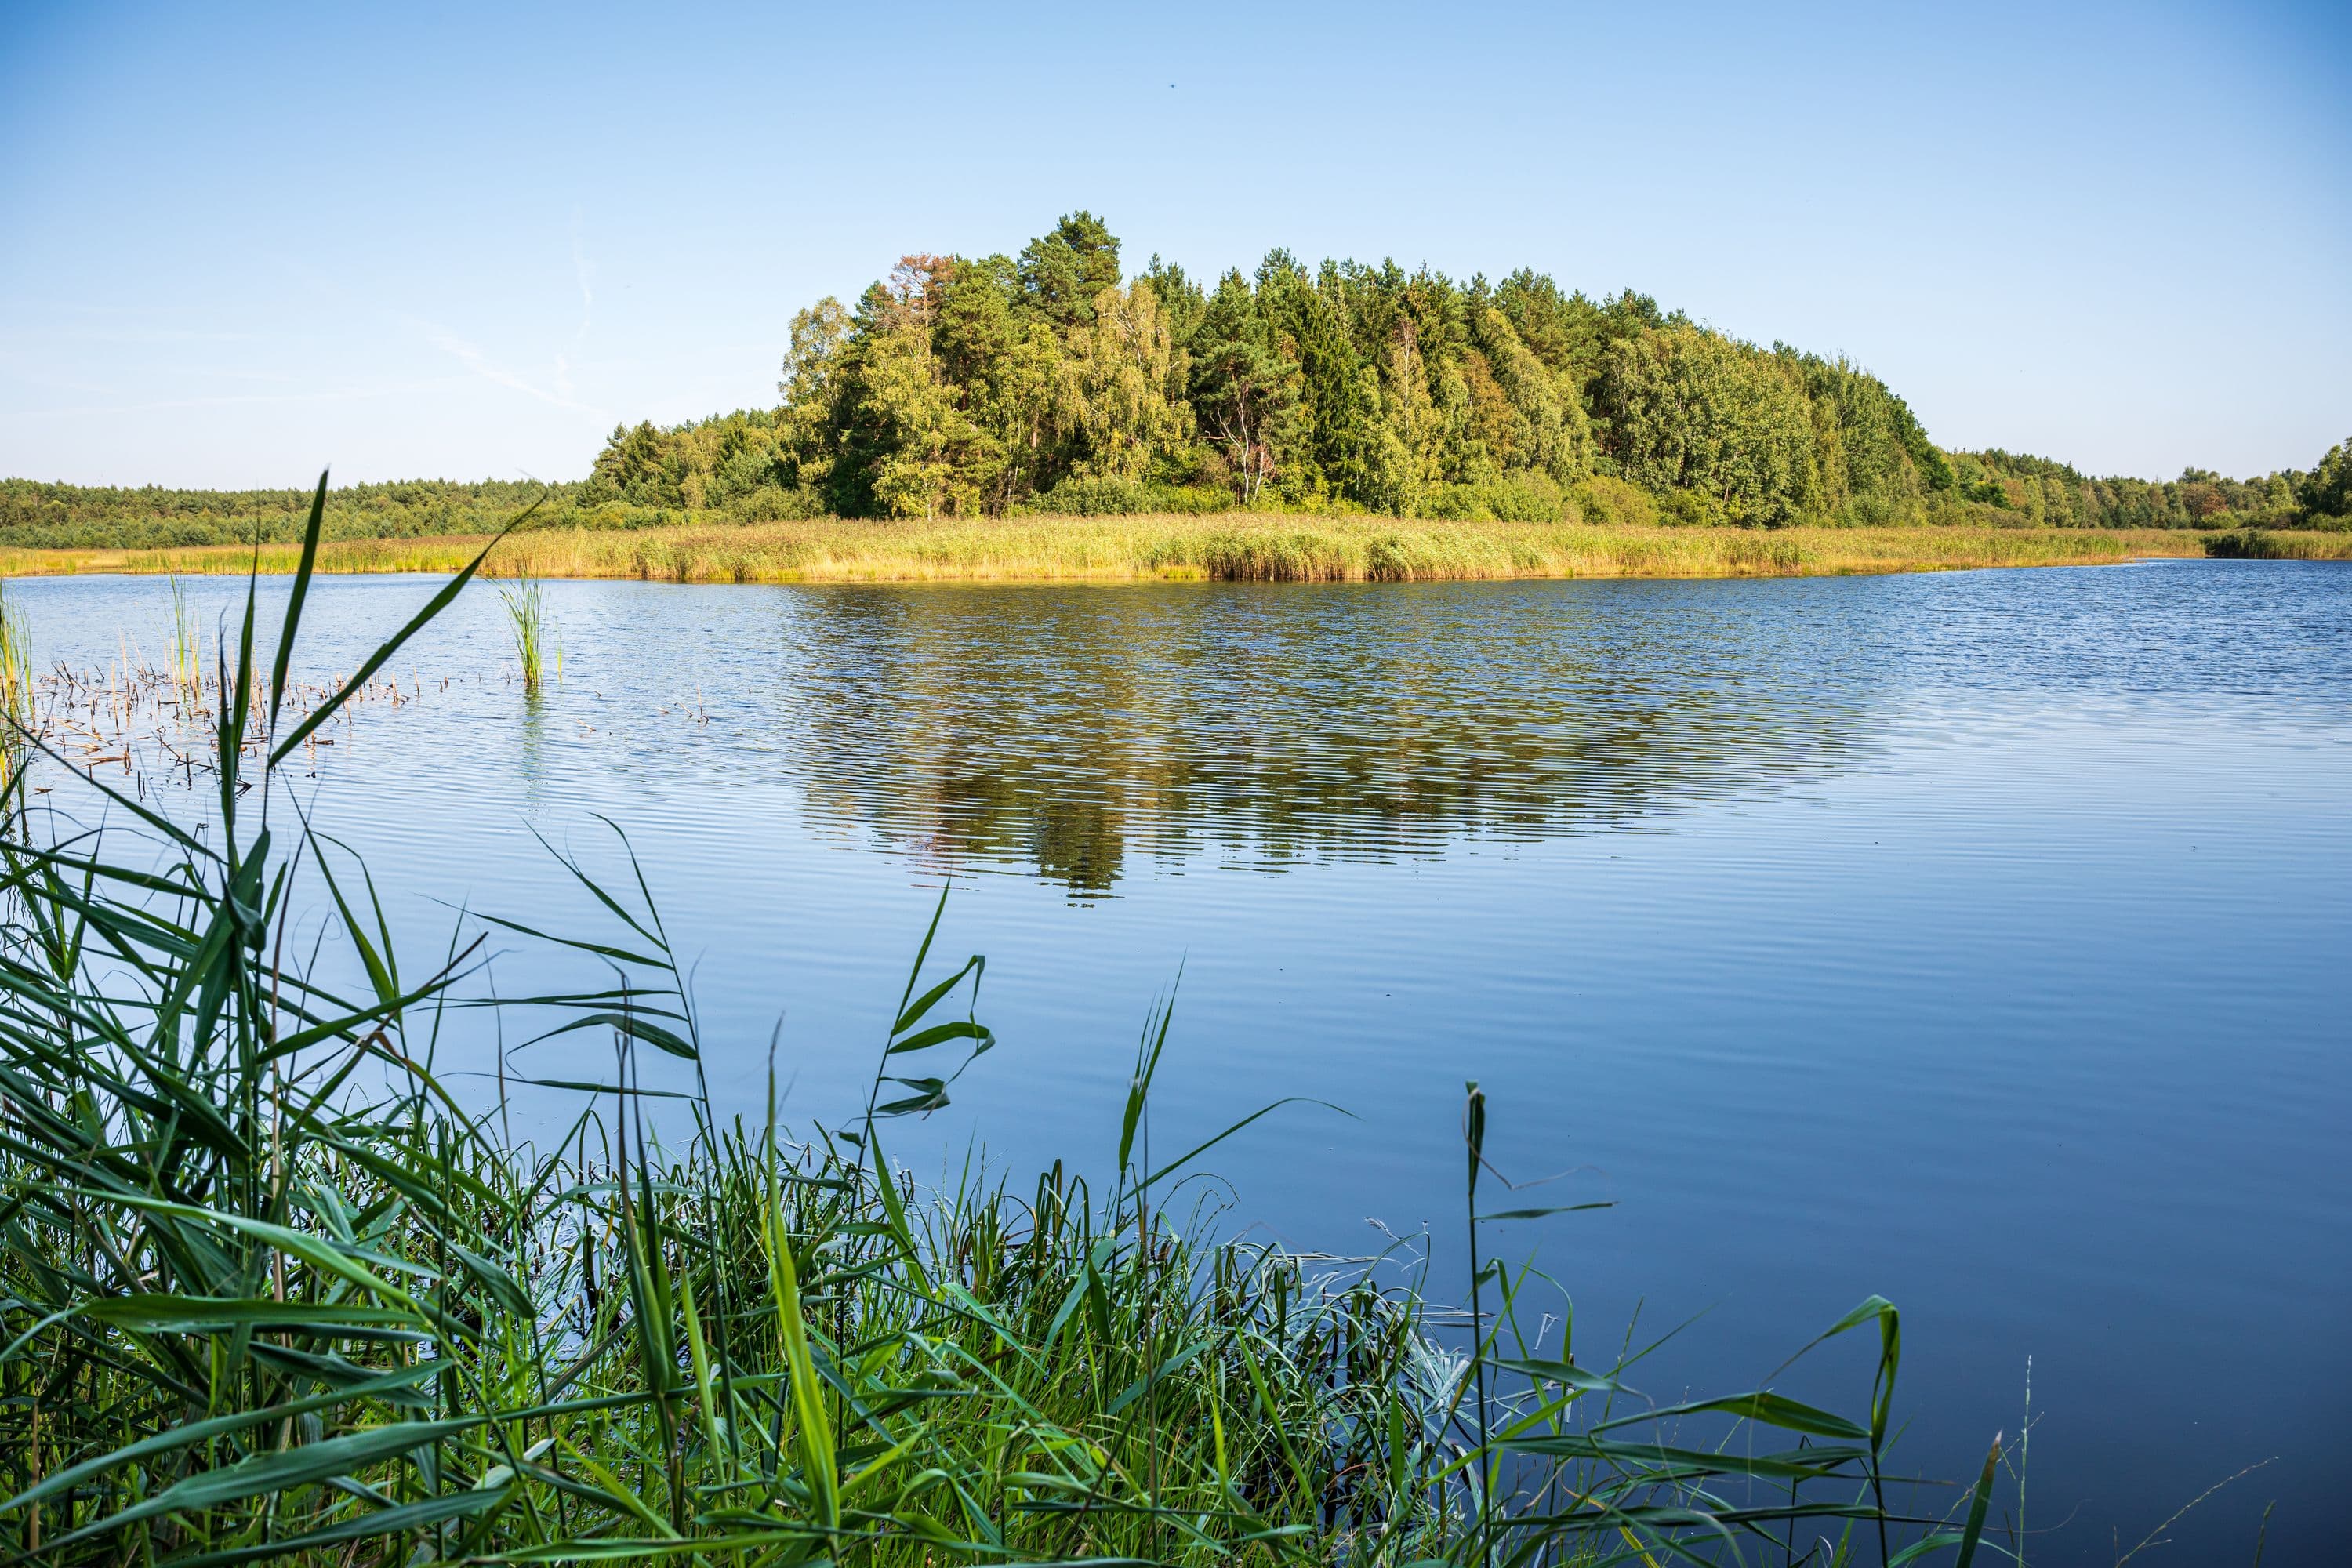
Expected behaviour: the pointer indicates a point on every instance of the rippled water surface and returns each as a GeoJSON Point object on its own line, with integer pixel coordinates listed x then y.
{"type": "Point", "coordinates": [1981, 939]}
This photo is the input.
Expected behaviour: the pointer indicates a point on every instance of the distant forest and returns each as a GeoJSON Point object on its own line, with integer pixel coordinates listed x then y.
{"type": "Point", "coordinates": [1043, 382]}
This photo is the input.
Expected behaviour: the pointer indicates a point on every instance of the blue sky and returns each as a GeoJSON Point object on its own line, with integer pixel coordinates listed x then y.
{"type": "Point", "coordinates": [245, 242]}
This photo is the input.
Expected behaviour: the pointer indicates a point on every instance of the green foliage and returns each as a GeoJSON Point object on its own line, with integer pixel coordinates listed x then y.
{"type": "Point", "coordinates": [1129, 497]}
{"type": "Point", "coordinates": [1244, 389]}
{"type": "Point", "coordinates": [1064, 273]}
{"type": "Point", "coordinates": [2326, 491]}
{"type": "Point", "coordinates": [55, 516]}
{"type": "Point", "coordinates": [2329, 543]}
{"type": "Point", "coordinates": [706, 464]}
{"type": "Point", "coordinates": [1689, 410]}
{"type": "Point", "coordinates": [963, 386]}
{"type": "Point", "coordinates": [1521, 498]}
{"type": "Point", "coordinates": [1872, 459]}
{"type": "Point", "coordinates": [1333, 452]}
{"type": "Point", "coordinates": [1690, 509]}
{"type": "Point", "coordinates": [1612, 503]}
{"type": "Point", "coordinates": [2041, 493]}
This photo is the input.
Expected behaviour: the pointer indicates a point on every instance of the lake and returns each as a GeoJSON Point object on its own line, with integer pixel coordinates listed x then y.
{"type": "Point", "coordinates": [1983, 939]}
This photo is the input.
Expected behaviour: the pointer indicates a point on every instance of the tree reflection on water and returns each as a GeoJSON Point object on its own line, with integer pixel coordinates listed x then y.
{"type": "Point", "coordinates": [1074, 731]}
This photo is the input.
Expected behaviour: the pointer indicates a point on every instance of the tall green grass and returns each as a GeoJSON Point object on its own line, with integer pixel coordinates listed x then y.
{"type": "Point", "coordinates": [16, 696]}
{"type": "Point", "coordinates": [527, 616]}
{"type": "Point", "coordinates": [2278, 544]}
{"type": "Point", "coordinates": [271, 1288]}
{"type": "Point", "coordinates": [186, 644]}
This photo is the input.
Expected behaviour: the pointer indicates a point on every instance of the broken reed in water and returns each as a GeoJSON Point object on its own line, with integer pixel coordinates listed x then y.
{"type": "Point", "coordinates": [1252, 546]}
{"type": "Point", "coordinates": [270, 1289]}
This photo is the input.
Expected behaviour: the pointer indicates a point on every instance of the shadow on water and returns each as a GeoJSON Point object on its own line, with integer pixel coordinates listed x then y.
{"type": "Point", "coordinates": [1076, 734]}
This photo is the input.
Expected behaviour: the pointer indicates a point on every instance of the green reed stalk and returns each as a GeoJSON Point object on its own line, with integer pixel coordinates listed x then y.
{"type": "Point", "coordinates": [16, 698]}
{"type": "Point", "coordinates": [188, 643]}
{"type": "Point", "coordinates": [1473, 1138]}
{"type": "Point", "coordinates": [527, 611]}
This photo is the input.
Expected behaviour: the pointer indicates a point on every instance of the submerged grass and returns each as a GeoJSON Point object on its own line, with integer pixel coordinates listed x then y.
{"type": "Point", "coordinates": [1256, 546]}
{"type": "Point", "coordinates": [270, 1289]}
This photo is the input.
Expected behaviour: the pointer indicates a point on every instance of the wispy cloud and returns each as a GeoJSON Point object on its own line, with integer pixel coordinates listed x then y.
{"type": "Point", "coordinates": [585, 271]}
{"type": "Point", "coordinates": [471, 356]}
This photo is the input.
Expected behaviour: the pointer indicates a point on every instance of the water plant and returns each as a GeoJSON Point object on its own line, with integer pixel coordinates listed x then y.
{"type": "Point", "coordinates": [16, 696]}
{"type": "Point", "coordinates": [188, 643]}
{"type": "Point", "coordinates": [527, 611]}
{"type": "Point", "coordinates": [271, 1288]}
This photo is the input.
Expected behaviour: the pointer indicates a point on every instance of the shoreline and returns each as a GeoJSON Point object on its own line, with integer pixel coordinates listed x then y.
{"type": "Point", "coordinates": [1234, 547]}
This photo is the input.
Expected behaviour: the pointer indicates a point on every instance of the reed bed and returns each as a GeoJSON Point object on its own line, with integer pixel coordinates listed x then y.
{"type": "Point", "coordinates": [272, 1290]}
{"type": "Point", "coordinates": [1141, 549]}
{"type": "Point", "coordinates": [2280, 544]}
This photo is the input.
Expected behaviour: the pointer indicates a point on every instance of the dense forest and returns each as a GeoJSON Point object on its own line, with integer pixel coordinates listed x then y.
{"type": "Point", "coordinates": [1051, 382]}
{"type": "Point", "coordinates": [1041, 382]}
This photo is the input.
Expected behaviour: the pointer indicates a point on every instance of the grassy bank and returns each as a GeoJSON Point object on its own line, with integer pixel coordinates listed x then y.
{"type": "Point", "coordinates": [1133, 549]}
{"type": "Point", "coordinates": [273, 1288]}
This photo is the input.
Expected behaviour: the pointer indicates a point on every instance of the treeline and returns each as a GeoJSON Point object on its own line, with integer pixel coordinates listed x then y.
{"type": "Point", "coordinates": [1050, 382]}
{"type": "Point", "coordinates": [1044, 382]}
{"type": "Point", "coordinates": [2054, 495]}
{"type": "Point", "coordinates": [50, 517]}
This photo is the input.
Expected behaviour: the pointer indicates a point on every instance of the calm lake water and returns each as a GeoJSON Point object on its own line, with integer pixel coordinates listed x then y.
{"type": "Point", "coordinates": [1982, 939]}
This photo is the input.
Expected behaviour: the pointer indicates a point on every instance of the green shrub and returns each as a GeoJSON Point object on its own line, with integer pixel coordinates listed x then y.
{"type": "Point", "coordinates": [1606, 501]}
{"type": "Point", "coordinates": [1533, 497]}
{"type": "Point", "coordinates": [1130, 497]}
{"type": "Point", "coordinates": [772, 503]}
{"type": "Point", "coordinates": [1691, 509]}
